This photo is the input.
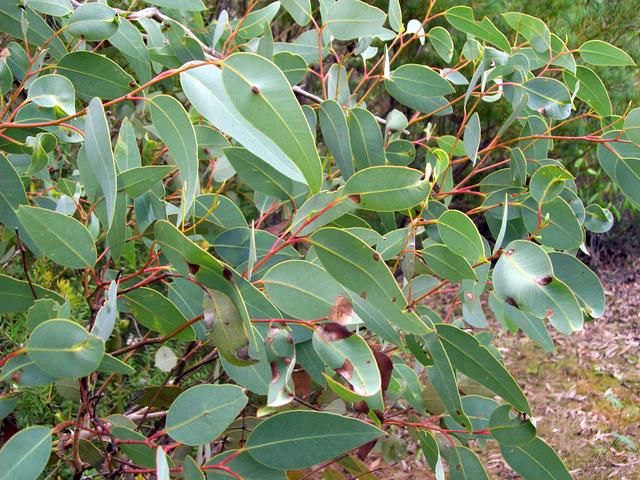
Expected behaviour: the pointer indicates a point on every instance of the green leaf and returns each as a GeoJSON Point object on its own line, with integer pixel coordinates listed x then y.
{"type": "Point", "coordinates": [162, 465]}
{"type": "Point", "coordinates": [253, 24]}
{"type": "Point", "coordinates": [531, 326]}
{"type": "Point", "coordinates": [465, 465]}
{"type": "Point", "coordinates": [12, 195]}
{"type": "Point", "coordinates": [388, 188]}
{"type": "Point", "coordinates": [478, 409]}
{"type": "Point", "coordinates": [176, 130]}
{"type": "Point", "coordinates": [300, 439]}
{"type": "Point", "coordinates": [378, 322]}
{"type": "Point", "coordinates": [590, 89]}
{"type": "Point", "coordinates": [400, 153]}
{"type": "Point", "coordinates": [55, 8]}
{"type": "Point", "coordinates": [524, 274]}
{"type": "Point", "coordinates": [265, 45]}
{"type": "Point", "coordinates": [418, 87]}
{"type": "Point", "coordinates": [126, 152]}
{"type": "Point", "coordinates": [130, 42]}
{"type": "Point", "coordinates": [349, 19]}
{"type": "Point", "coordinates": [431, 451]}
{"type": "Point", "coordinates": [366, 139]}
{"type": "Point", "coordinates": [548, 94]}
{"type": "Point", "coordinates": [561, 228]}
{"type": "Point", "coordinates": [518, 166]}
{"type": "Point", "coordinates": [621, 161]}
{"type": "Point", "coordinates": [225, 327]}
{"type": "Point", "coordinates": [26, 454]}
{"type": "Point", "coordinates": [63, 239]}
{"type": "Point", "coordinates": [53, 91]}
{"type": "Point", "coordinates": [473, 359]}
{"type": "Point", "coordinates": [237, 245]}
{"type": "Point", "coordinates": [156, 312]}
{"type": "Point", "coordinates": [182, 252]}
{"type": "Point", "coordinates": [598, 219]}
{"type": "Point", "coordinates": [306, 45]}
{"type": "Point", "coordinates": [7, 404]}
{"type": "Point", "coordinates": [188, 5]}
{"type": "Point", "coordinates": [350, 356]}
{"type": "Point", "coordinates": [632, 126]}
{"type": "Point", "coordinates": [548, 182]}
{"type": "Point", "coordinates": [300, 10]}
{"type": "Point", "coordinates": [108, 313]}
{"type": "Point", "coordinates": [26, 371]}
{"type": "Point", "coordinates": [93, 22]}
{"type": "Point", "coordinates": [287, 145]}
{"type": "Point", "coordinates": [302, 289]}
{"type": "Point", "coordinates": [293, 66]}
{"type": "Point", "coordinates": [531, 28]}
{"type": "Point", "coordinates": [42, 144]}
{"type": "Point", "coordinates": [111, 364]}
{"type": "Point", "coordinates": [447, 264]}
{"type": "Point", "coordinates": [338, 84]}
{"type": "Point", "coordinates": [199, 415]}
{"type": "Point", "coordinates": [17, 21]}
{"type": "Point", "coordinates": [603, 54]}
{"type": "Point", "coordinates": [272, 110]}
{"type": "Point", "coordinates": [471, 138]}
{"type": "Point", "coordinates": [581, 280]}
{"type": "Point", "coordinates": [395, 15]}
{"type": "Point", "coordinates": [243, 464]}
{"type": "Point", "coordinates": [45, 309]}
{"type": "Point", "coordinates": [256, 376]}
{"type": "Point", "coordinates": [191, 470]}
{"type": "Point", "coordinates": [281, 354]}
{"type": "Point", "coordinates": [99, 154]}
{"type": "Point", "coordinates": [335, 132]}
{"type": "Point", "coordinates": [359, 268]}
{"type": "Point", "coordinates": [461, 18]}
{"type": "Point", "coordinates": [442, 43]}
{"type": "Point", "coordinates": [95, 75]}
{"type": "Point", "coordinates": [259, 175]}
{"type": "Point", "coordinates": [535, 149]}
{"type": "Point", "coordinates": [6, 77]}
{"type": "Point", "coordinates": [535, 460]}
{"type": "Point", "coordinates": [139, 453]}
{"type": "Point", "coordinates": [509, 428]}
{"type": "Point", "coordinates": [443, 379]}
{"type": "Point", "coordinates": [219, 212]}
{"type": "Point", "coordinates": [139, 180]}
{"type": "Point", "coordinates": [16, 296]}
{"type": "Point", "coordinates": [64, 349]}
{"type": "Point", "coordinates": [321, 209]}
{"type": "Point", "coordinates": [118, 233]}
{"type": "Point", "coordinates": [460, 234]}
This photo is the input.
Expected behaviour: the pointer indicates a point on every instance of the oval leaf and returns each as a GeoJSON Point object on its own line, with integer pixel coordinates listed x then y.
{"type": "Point", "coordinates": [63, 239]}
{"type": "Point", "coordinates": [26, 454]}
{"type": "Point", "coordinates": [388, 188]}
{"type": "Point", "coordinates": [306, 438]}
{"type": "Point", "coordinates": [64, 349]}
{"type": "Point", "coordinates": [199, 415]}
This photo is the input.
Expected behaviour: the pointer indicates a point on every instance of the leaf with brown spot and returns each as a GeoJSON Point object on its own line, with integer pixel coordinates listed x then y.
{"type": "Point", "coordinates": [281, 353]}
{"type": "Point", "coordinates": [226, 327]}
{"type": "Point", "coordinates": [350, 357]}
{"type": "Point", "coordinates": [342, 311]}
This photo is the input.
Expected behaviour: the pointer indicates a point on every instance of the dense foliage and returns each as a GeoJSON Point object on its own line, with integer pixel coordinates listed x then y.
{"type": "Point", "coordinates": [244, 242]}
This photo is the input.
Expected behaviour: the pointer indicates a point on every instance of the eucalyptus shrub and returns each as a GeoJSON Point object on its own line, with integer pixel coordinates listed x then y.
{"type": "Point", "coordinates": [237, 251]}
